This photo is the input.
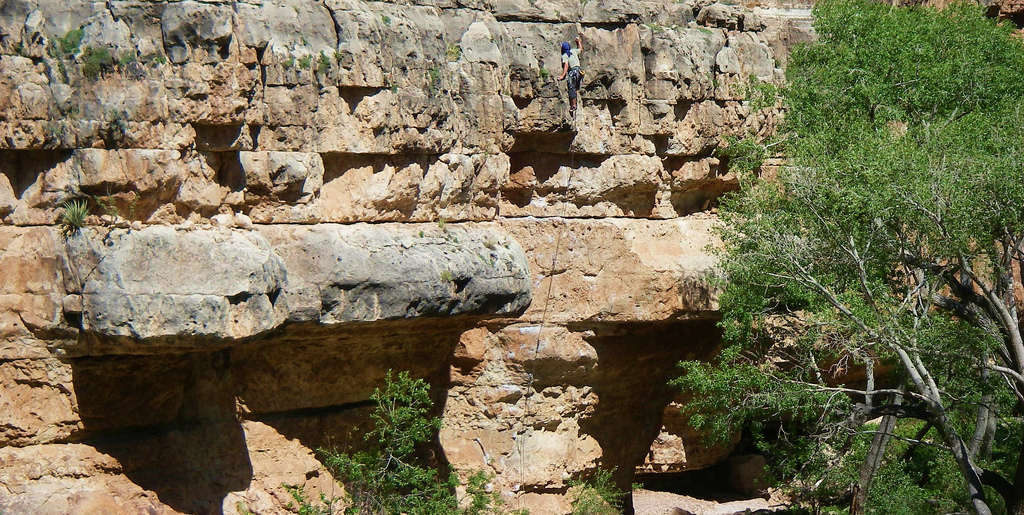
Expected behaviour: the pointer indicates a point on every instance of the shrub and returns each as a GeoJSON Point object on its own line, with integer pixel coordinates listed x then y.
{"type": "Point", "coordinates": [434, 77]}
{"type": "Point", "coordinates": [96, 62]}
{"type": "Point", "coordinates": [390, 478]}
{"type": "Point", "coordinates": [68, 45]}
{"type": "Point", "coordinates": [306, 62]}
{"type": "Point", "coordinates": [126, 58]}
{"type": "Point", "coordinates": [597, 495]}
{"type": "Point", "coordinates": [72, 217]}
{"type": "Point", "coordinates": [116, 128]}
{"type": "Point", "coordinates": [655, 27]}
{"type": "Point", "coordinates": [304, 506]}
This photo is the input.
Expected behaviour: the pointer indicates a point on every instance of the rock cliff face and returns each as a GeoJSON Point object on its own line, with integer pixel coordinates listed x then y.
{"type": "Point", "coordinates": [291, 197]}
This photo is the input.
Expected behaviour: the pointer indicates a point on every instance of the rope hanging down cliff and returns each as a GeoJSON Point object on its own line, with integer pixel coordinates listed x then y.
{"type": "Point", "coordinates": [531, 377]}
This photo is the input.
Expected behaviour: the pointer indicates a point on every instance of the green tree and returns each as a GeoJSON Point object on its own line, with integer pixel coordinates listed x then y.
{"type": "Point", "coordinates": [892, 240]}
{"type": "Point", "coordinates": [390, 477]}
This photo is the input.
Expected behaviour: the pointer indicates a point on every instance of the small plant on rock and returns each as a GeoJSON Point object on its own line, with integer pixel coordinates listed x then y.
{"type": "Point", "coordinates": [305, 506]}
{"type": "Point", "coordinates": [434, 78]}
{"type": "Point", "coordinates": [69, 43]}
{"type": "Point", "coordinates": [323, 64]}
{"type": "Point", "coordinates": [655, 27]}
{"type": "Point", "coordinates": [126, 58]}
{"type": "Point", "coordinates": [484, 499]}
{"type": "Point", "coordinates": [116, 129]}
{"type": "Point", "coordinates": [96, 62]}
{"type": "Point", "coordinates": [72, 217]}
{"type": "Point", "coordinates": [454, 52]}
{"type": "Point", "coordinates": [306, 62]}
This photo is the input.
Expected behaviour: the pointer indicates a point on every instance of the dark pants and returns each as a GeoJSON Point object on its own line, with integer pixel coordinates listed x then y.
{"type": "Point", "coordinates": [575, 77]}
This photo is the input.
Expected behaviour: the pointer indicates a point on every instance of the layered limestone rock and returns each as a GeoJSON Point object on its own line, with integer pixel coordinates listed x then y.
{"type": "Point", "coordinates": [291, 197]}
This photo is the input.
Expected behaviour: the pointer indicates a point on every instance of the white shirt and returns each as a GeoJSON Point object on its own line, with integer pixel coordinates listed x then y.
{"type": "Point", "coordinates": [573, 58]}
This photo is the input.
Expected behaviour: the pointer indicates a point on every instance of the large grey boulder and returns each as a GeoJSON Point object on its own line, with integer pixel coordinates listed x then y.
{"type": "Point", "coordinates": [362, 273]}
{"type": "Point", "coordinates": [166, 283]}
{"type": "Point", "coordinates": [165, 287]}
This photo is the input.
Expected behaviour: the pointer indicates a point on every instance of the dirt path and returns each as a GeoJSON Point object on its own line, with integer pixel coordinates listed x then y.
{"type": "Point", "coordinates": [647, 502]}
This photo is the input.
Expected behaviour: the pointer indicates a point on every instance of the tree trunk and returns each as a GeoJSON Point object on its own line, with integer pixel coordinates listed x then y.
{"type": "Point", "coordinates": [963, 459]}
{"type": "Point", "coordinates": [872, 462]}
{"type": "Point", "coordinates": [981, 425]}
{"type": "Point", "coordinates": [1016, 506]}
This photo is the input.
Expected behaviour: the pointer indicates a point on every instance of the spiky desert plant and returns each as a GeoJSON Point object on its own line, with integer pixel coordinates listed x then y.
{"type": "Point", "coordinates": [72, 217]}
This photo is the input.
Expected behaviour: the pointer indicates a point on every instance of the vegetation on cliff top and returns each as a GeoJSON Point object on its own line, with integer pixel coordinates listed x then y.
{"type": "Point", "coordinates": [879, 275]}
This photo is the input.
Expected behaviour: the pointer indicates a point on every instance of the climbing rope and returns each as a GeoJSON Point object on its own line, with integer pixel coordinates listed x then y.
{"type": "Point", "coordinates": [531, 377]}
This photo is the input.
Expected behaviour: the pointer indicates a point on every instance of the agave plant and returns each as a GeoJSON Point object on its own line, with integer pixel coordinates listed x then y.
{"type": "Point", "coordinates": [72, 217]}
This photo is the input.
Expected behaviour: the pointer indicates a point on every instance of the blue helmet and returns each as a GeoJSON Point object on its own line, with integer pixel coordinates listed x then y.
{"type": "Point", "coordinates": [566, 48]}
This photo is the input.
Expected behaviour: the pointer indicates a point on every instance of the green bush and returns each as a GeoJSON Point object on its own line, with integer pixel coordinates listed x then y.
{"type": "Point", "coordinates": [390, 477]}
{"type": "Point", "coordinates": [597, 495]}
{"type": "Point", "coordinates": [454, 52]}
{"type": "Point", "coordinates": [68, 45]}
{"type": "Point", "coordinates": [96, 62]}
{"type": "Point", "coordinates": [434, 78]}
{"type": "Point", "coordinates": [304, 506]}
{"type": "Point", "coordinates": [72, 217]}
{"type": "Point", "coordinates": [126, 58]}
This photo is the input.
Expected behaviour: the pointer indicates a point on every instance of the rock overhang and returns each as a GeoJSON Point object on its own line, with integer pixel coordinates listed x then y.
{"type": "Point", "coordinates": [177, 287]}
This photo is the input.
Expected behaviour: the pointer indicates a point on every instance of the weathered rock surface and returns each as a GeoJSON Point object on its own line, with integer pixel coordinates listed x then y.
{"type": "Point", "coordinates": [131, 283]}
{"type": "Point", "coordinates": [136, 291]}
{"type": "Point", "coordinates": [274, 188]}
{"type": "Point", "coordinates": [678, 447]}
{"type": "Point", "coordinates": [376, 111]}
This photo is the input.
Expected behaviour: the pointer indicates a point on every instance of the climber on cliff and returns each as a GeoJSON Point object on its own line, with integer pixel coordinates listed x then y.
{"type": "Point", "coordinates": [571, 69]}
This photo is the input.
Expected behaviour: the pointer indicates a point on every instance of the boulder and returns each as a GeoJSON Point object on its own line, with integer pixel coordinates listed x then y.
{"type": "Point", "coordinates": [162, 283]}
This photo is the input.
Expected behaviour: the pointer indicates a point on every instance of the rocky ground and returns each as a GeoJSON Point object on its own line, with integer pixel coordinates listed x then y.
{"type": "Point", "coordinates": [647, 502]}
